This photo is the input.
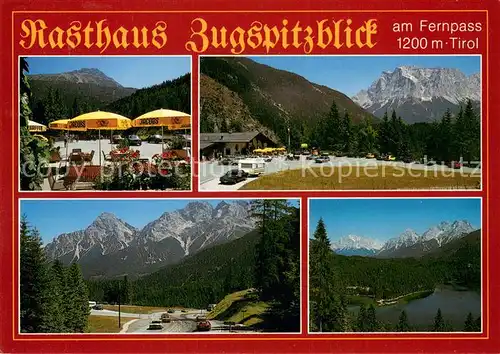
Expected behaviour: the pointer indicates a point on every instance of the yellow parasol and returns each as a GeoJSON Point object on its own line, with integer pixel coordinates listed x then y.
{"type": "Point", "coordinates": [173, 120]}
{"type": "Point", "coordinates": [36, 127]}
{"type": "Point", "coordinates": [61, 124]}
{"type": "Point", "coordinates": [41, 137]}
{"type": "Point", "coordinates": [99, 120]}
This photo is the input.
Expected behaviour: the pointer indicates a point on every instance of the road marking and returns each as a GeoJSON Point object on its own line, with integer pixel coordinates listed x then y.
{"type": "Point", "coordinates": [127, 324]}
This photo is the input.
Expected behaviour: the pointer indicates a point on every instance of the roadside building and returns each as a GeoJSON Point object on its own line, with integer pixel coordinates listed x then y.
{"type": "Point", "coordinates": [213, 145]}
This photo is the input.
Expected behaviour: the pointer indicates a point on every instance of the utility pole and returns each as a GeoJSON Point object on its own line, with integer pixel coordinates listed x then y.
{"type": "Point", "coordinates": [119, 305]}
{"type": "Point", "coordinates": [288, 138]}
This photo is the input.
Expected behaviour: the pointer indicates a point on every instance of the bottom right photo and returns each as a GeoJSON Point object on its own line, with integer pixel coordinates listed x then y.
{"type": "Point", "coordinates": [395, 265]}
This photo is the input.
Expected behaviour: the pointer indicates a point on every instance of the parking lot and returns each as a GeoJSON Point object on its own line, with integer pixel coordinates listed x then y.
{"type": "Point", "coordinates": [210, 172]}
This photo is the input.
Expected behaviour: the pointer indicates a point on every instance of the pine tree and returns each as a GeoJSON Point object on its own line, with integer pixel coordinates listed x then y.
{"type": "Point", "coordinates": [403, 325]}
{"type": "Point", "coordinates": [367, 136]}
{"type": "Point", "coordinates": [394, 133]}
{"type": "Point", "coordinates": [384, 137]}
{"type": "Point", "coordinates": [469, 324]}
{"type": "Point", "coordinates": [445, 139]}
{"type": "Point", "coordinates": [472, 133]}
{"type": "Point", "coordinates": [439, 325]}
{"type": "Point", "coordinates": [32, 279]}
{"type": "Point", "coordinates": [79, 305]}
{"type": "Point", "coordinates": [347, 133]}
{"type": "Point", "coordinates": [76, 108]}
{"type": "Point", "coordinates": [342, 317]}
{"type": "Point", "coordinates": [360, 321]}
{"type": "Point", "coordinates": [335, 130]}
{"type": "Point", "coordinates": [54, 301]}
{"type": "Point", "coordinates": [477, 324]}
{"type": "Point", "coordinates": [459, 135]}
{"type": "Point", "coordinates": [223, 126]}
{"type": "Point", "coordinates": [371, 323]}
{"type": "Point", "coordinates": [322, 281]}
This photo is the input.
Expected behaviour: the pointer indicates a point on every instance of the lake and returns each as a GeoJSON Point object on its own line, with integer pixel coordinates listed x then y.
{"type": "Point", "coordinates": [454, 305]}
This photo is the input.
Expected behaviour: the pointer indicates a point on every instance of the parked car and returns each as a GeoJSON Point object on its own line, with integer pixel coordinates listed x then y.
{"type": "Point", "coordinates": [370, 156]}
{"type": "Point", "coordinates": [201, 318]}
{"type": "Point", "coordinates": [203, 325]}
{"type": "Point", "coordinates": [98, 307]}
{"type": "Point", "coordinates": [322, 159]}
{"type": "Point", "coordinates": [165, 318]}
{"type": "Point", "coordinates": [390, 158]}
{"type": "Point", "coordinates": [269, 159]}
{"type": "Point", "coordinates": [183, 310]}
{"type": "Point", "coordinates": [225, 162]}
{"type": "Point", "coordinates": [155, 139]}
{"type": "Point", "coordinates": [170, 310]}
{"type": "Point", "coordinates": [431, 163]}
{"type": "Point", "coordinates": [253, 167]}
{"type": "Point", "coordinates": [134, 140]}
{"type": "Point", "coordinates": [233, 177]}
{"type": "Point", "coordinates": [311, 157]}
{"type": "Point", "coordinates": [155, 325]}
{"type": "Point", "coordinates": [116, 139]}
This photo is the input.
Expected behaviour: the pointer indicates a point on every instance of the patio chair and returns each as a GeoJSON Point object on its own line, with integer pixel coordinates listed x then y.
{"type": "Point", "coordinates": [55, 156]}
{"type": "Point", "coordinates": [76, 158]}
{"type": "Point", "coordinates": [107, 157]}
{"type": "Point", "coordinates": [55, 185]}
{"type": "Point", "coordinates": [88, 158]}
{"type": "Point", "coordinates": [76, 151]}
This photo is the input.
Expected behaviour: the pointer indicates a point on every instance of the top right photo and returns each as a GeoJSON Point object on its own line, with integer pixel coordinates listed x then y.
{"type": "Point", "coordinates": [325, 123]}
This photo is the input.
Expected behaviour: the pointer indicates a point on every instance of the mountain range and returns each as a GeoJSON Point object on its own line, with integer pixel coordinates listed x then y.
{"type": "Point", "coordinates": [419, 94]}
{"type": "Point", "coordinates": [241, 94]}
{"type": "Point", "coordinates": [67, 94]}
{"type": "Point", "coordinates": [407, 244]}
{"type": "Point", "coordinates": [87, 84]}
{"type": "Point", "coordinates": [81, 76]}
{"type": "Point", "coordinates": [110, 246]}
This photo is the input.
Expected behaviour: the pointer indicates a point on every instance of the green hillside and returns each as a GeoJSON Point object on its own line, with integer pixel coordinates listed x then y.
{"type": "Point", "coordinates": [172, 94]}
{"type": "Point", "coordinates": [272, 97]}
{"type": "Point", "coordinates": [458, 263]}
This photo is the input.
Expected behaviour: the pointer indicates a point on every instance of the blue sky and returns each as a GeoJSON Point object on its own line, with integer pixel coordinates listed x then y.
{"type": "Point", "coordinates": [54, 217]}
{"type": "Point", "coordinates": [382, 219]}
{"type": "Point", "coordinates": [137, 72]}
{"type": "Point", "coordinates": [349, 74]}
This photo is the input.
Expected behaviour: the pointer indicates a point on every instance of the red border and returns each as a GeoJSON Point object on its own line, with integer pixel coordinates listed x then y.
{"type": "Point", "coordinates": [489, 342]}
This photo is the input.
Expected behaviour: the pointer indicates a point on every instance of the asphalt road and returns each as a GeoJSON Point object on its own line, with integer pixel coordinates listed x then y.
{"type": "Point", "coordinates": [181, 322]}
{"type": "Point", "coordinates": [210, 172]}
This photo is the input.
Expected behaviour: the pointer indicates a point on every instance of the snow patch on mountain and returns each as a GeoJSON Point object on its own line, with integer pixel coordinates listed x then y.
{"type": "Point", "coordinates": [414, 91]}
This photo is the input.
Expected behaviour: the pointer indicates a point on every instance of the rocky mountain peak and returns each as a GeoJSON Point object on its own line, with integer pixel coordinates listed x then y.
{"type": "Point", "coordinates": [81, 76]}
{"type": "Point", "coordinates": [90, 71]}
{"type": "Point", "coordinates": [419, 94]}
{"type": "Point", "coordinates": [174, 235]}
{"type": "Point", "coordinates": [356, 242]}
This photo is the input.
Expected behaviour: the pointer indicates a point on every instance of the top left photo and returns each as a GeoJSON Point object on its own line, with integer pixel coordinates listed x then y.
{"type": "Point", "coordinates": [104, 123]}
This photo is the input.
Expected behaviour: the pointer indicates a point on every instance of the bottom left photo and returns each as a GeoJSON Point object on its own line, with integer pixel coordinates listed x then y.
{"type": "Point", "coordinates": [159, 266]}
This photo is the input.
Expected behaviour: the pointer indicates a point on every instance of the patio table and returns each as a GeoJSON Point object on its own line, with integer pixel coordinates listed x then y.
{"type": "Point", "coordinates": [83, 173]}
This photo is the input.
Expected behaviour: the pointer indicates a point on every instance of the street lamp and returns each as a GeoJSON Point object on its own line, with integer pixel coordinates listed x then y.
{"type": "Point", "coordinates": [289, 139]}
